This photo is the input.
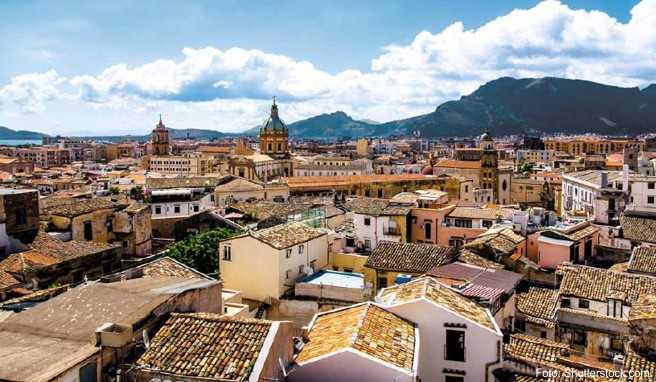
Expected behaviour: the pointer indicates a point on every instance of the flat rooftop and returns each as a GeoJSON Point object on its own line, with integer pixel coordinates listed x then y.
{"type": "Point", "coordinates": [338, 279]}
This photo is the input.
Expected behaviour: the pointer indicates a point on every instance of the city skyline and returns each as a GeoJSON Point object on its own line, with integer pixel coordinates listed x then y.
{"type": "Point", "coordinates": [216, 66]}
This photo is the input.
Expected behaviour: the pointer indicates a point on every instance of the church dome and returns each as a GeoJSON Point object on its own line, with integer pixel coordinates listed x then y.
{"type": "Point", "coordinates": [486, 135]}
{"type": "Point", "coordinates": [274, 122]}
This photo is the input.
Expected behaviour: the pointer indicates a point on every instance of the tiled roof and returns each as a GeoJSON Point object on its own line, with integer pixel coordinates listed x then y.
{"type": "Point", "coordinates": [638, 228]}
{"type": "Point", "coordinates": [81, 206]}
{"type": "Point", "coordinates": [287, 235]}
{"type": "Point", "coordinates": [206, 345]}
{"type": "Point", "coordinates": [375, 207]}
{"type": "Point", "coordinates": [573, 234]}
{"type": "Point", "coordinates": [46, 250]}
{"type": "Point", "coordinates": [644, 308]}
{"type": "Point", "coordinates": [468, 257]}
{"type": "Point", "coordinates": [262, 210]}
{"type": "Point", "coordinates": [647, 368]}
{"type": "Point", "coordinates": [535, 351]}
{"type": "Point", "coordinates": [408, 257]}
{"type": "Point", "coordinates": [180, 182]}
{"type": "Point", "coordinates": [503, 241]}
{"type": "Point", "coordinates": [430, 289]}
{"type": "Point", "coordinates": [538, 305]}
{"type": "Point", "coordinates": [167, 267]}
{"type": "Point", "coordinates": [299, 182]}
{"type": "Point", "coordinates": [239, 185]}
{"type": "Point", "coordinates": [462, 164]}
{"type": "Point", "coordinates": [7, 281]}
{"type": "Point", "coordinates": [366, 328]}
{"type": "Point", "coordinates": [643, 260]}
{"type": "Point", "coordinates": [473, 275]}
{"type": "Point", "coordinates": [480, 213]}
{"type": "Point", "coordinates": [600, 284]}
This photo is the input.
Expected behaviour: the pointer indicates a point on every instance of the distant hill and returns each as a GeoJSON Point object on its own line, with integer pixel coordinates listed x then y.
{"type": "Point", "coordinates": [509, 106]}
{"type": "Point", "coordinates": [540, 106]}
{"type": "Point", "coordinates": [7, 133]}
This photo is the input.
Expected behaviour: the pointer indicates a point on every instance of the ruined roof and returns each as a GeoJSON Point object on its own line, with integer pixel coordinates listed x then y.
{"type": "Point", "coordinates": [376, 207]}
{"type": "Point", "coordinates": [503, 241]}
{"type": "Point", "coordinates": [538, 305]}
{"type": "Point", "coordinates": [207, 345]}
{"type": "Point", "coordinates": [644, 308]}
{"type": "Point", "coordinates": [430, 289]}
{"type": "Point", "coordinates": [46, 250]}
{"type": "Point", "coordinates": [80, 206]}
{"type": "Point", "coordinates": [643, 260]}
{"type": "Point", "coordinates": [287, 235]}
{"type": "Point", "coordinates": [638, 228]}
{"type": "Point", "coordinates": [408, 257]}
{"type": "Point", "coordinates": [600, 284]}
{"type": "Point", "coordinates": [366, 328]}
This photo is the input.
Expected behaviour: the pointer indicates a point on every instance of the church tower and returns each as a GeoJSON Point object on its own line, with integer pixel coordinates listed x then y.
{"type": "Point", "coordinates": [160, 139]}
{"type": "Point", "coordinates": [274, 136]}
{"type": "Point", "coordinates": [489, 175]}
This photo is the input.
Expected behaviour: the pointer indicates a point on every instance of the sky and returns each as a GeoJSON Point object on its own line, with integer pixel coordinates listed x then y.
{"type": "Point", "coordinates": [111, 67]}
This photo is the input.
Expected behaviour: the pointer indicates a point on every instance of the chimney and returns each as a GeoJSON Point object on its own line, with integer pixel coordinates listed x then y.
{"type": "Point", "coordinates": [604, 179]}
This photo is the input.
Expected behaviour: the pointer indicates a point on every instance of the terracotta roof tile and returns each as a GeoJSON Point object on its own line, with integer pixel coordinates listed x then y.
{"type": "Point", "coordinates": [643, 260]}
{"type": "Point", "coordinates": [600, 284]}
{"type": "Point", "coordinates": [430, 289]}
{"type": "Point", "coordinates": [366, 328]}
{"type": "Point", "coordinates": [80, 206]}
{"type": "Point", "coordinates": [468, 257]}
{"type": "Point", "coordinates": [538, 305]}
{"type": "Point", "coordinates": [480, 213]}
{"type": "Point", "coordinates": [287, 235]}
{"type": "Point", "coordinates": [638, 228]}
{"type": "Point", "coordinates": [206, 345]}
{"type": "Point", "coordinates": [460, 164]}
{"type": "Point", "coordinates": [408, 257]}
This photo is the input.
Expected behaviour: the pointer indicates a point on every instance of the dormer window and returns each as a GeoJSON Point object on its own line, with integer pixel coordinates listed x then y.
{"type": "Point", "coordinates": [614, 308]}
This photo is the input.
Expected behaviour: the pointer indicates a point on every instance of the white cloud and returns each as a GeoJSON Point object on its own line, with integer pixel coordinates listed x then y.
{"type": "Point", "coordinates": [30, 92]}
{"type": "Point", "coordinates": [549, 39]}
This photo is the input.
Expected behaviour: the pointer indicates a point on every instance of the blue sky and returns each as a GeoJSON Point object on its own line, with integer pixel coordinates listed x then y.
{"type": "Point", "coordinates": [92, 67]}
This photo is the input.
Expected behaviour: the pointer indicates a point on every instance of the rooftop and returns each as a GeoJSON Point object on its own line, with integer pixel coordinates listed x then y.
{"type": "Point", "coordinates": [600, 284]}
{"type": "Point", "coordinates": [287, 235]}
{"type": "Point", "coordinates": [480, 213]}
{"type": "Point", "coordinates": [334, 278]}
{"type": "Point", "coordinates": [376, 207]}
{"type": "Point", "coordinates": [643, 260]}
{"type": "Point", "coordinates": [366, 328]}
{"type": "Point", "coordinates": [466, 274]}
{"type": "Point", "coordinates": [299, 182]}
{"type": "Point", "coordinates": [538, 305]}
{"type": "Point", "coordinates": [637, 227]}
{"type": "Point", "coordinates": [408, 257]}
{"type": "Point", "coordinates": [459, 164]}
{"type": "Point", "coordinates": [80, 206]}
{"type": "Point", "coordinates": [207, 345]}
{"type": "Point", "coordinates": [430, 289]}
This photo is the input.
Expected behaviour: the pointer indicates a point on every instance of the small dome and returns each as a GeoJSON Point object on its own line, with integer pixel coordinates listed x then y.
{"type": "Point", "coordinates": [428, 170]}
{"type": "Point", "coordinates": [486, 135]}
{"type": "Point", "coordinates": [274, 122]}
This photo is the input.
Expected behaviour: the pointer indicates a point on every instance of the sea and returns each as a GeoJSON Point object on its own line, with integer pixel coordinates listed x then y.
{"type": "Point", "coordinates": [18, 142]}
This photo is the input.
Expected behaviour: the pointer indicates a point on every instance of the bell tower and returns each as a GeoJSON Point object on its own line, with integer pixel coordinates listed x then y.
{"type": "Point", "coordinates": [160, 139]}
{"type": "Point", "coordinates": [489, 175]}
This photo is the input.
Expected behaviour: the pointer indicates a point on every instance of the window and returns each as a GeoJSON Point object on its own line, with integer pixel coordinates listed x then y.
{"type": "Point", "coordinates": [88, 372]}
{"type": "Point", "coordinates": [579, 338]}
{"type": "Point", "coordinates": [288, 253]}
{"type": "Point", "coordinates": [520, 325]}
{"type": "Point", "coordinates": [367, 221]}
{"type": "Point", "coordinates": [109, 224]}
{"type": "Point", "coordinates": [382, 280]}
{"type": "Point", "coordinates": [125, 243]}
{"type": "Point", "coordinates": [158, 210]}
{"type": "Point", "coordinates": [462, 223]}
{"type": "Point", "coordinates": [454, 378]}
{"type": "Point", "coordinates": [650, 199]}
{"type": "Point", "coordinates": [196, 208]}
{"type": "Point", "coordinates": [543, 334]}
{"type": "Point", "coordinates": [300, 249]}
{"type": "Point", "coordinates": [367, 193]}
{"type": "Point", "coordinates": [650, 185]}
{"type": "Point", "coordinates": [227, 253]}
{"type": "Point", "coordinates": [616, 344]}
{"type": "Point", "coordinates": [380, 193]}
{"type": "Point", "coordinates": [427, 230]}
{"type": "Point", "coordinates": [367, 244]}
{"type": "Point", "coordinates": [88, 230]}
{"type": "Point", "coordinates": [176, 208]}
{"type": "Point", "coordinates": [288, 274]}
{"type": "Point", "coordinates": [614, 308]}
{"type": "Point", "coordinates": [455, 345]}
{"type": "Point", "coordinates": [487, 223]}
{"type": "Point", "coordinates": [584, 304]}
{"type": "Point", "coordinates": [565, 303]}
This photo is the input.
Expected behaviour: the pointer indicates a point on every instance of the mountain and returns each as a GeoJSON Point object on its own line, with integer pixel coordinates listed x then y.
{"type": "Point", "coordinates": [539, 106]}
{"type": "Point", "coordinates": [7, 133]}
{"type": "Point", "coordinates": [334, 125]}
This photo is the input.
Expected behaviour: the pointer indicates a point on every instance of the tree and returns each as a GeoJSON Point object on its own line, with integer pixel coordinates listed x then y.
{"type": "Point", "coordinates": [137, 193]}
{"type": "Point", "coordinates": [114, 191]}
{"type": "Point", "coordinates": [200, 251]}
